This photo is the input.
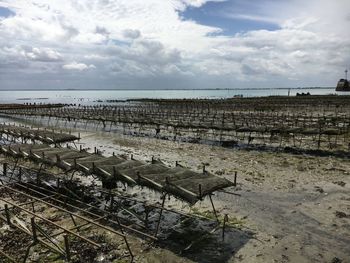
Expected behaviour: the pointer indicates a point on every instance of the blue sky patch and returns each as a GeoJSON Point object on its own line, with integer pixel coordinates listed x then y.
{"type": "Point", "coordinates": [218, 14]}
{"type": "Point", "coordinates": [118, 42]}
{"type": "Point", "coordinates": [5, 12]}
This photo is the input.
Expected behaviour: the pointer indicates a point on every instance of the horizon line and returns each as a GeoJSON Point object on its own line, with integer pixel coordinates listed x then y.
{"type": "Point", "coordinates": [139, 89]}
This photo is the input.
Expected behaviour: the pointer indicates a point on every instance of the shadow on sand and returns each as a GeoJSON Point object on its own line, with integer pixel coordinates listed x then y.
{"type": "Point", "coordinates": [197, 241]}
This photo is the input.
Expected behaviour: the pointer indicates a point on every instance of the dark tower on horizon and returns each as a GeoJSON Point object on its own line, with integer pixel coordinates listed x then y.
{"type": "Point", "coordinates": [343, 84]}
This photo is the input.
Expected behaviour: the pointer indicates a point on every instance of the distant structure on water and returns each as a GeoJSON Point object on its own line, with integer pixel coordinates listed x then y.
{"type": "Point", "coordinates": [343, 84]}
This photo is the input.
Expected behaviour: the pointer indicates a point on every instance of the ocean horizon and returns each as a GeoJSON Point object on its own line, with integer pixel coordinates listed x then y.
{"type": "Point", "coordinates": [103, 95]}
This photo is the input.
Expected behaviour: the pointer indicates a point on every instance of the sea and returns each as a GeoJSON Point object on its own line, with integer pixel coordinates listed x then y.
{"type": "Point", "coordinates": [114, 96]}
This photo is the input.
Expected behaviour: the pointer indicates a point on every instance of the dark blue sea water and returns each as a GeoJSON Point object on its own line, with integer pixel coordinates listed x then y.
{"type": "Point", "coordinates": [98, 96]}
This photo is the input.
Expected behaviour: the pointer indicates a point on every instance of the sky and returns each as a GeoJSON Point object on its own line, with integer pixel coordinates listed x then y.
{"type": "Point", "coordinates": [173, 44]}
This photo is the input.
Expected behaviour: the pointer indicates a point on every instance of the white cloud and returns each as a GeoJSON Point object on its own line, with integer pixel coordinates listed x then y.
{"type": "Point", "coordinates": [136, 39]}
{"type": "Point", "coordinates": [95, 57]}
{"type": "Point", "coordinates": [183, 4]}
{"type": "Point", "coordinates": [42, 54]}
{"type": "Point", "coordinates": [78, 66]}
{"type": "Point", "coordinates": [130, 33]}
{"type": "Point", "coordinates": [26, 59]}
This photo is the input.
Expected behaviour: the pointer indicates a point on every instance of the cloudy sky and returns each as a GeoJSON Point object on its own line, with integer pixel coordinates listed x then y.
{"type": "Point", "coordinates": [145, 44]}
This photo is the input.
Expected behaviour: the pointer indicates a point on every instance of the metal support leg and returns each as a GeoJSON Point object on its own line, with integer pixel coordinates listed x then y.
{"type": "Point", "coordinates": [35, 237]}
{"type": "Point", "coordinates": [67, 247]}
{"type": "Point", "coordinates": [160, 215]}
{"type": "Point", "coordinates": [224, 226]}
{"type": "Point", "coordinates": [212, 204]}
{"type": "Point", "coordinates": [27, 252]}
{"type": "Point", "coordinates": [7, 213]}
{"type": "Point", "coordinates": [4, 169]}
